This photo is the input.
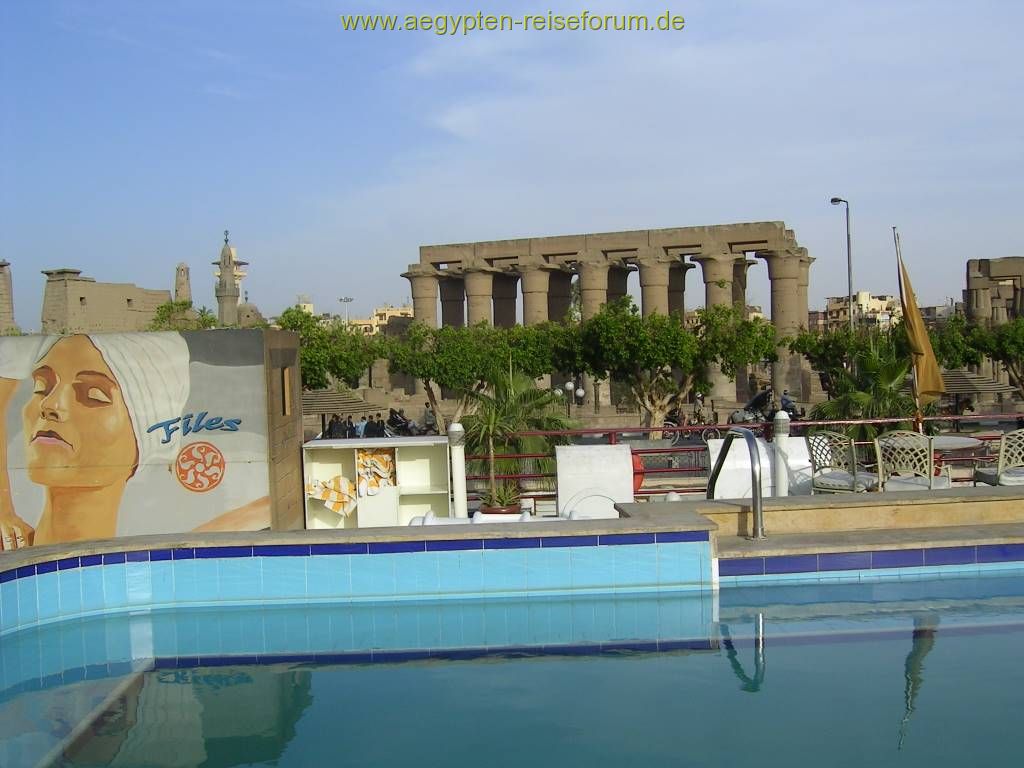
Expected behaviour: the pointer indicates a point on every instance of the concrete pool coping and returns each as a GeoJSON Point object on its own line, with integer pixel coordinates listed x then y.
{"type": "Point", "coordinates": [651, 517]}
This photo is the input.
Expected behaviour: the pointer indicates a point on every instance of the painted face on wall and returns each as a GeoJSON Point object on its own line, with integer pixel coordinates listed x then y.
{"type": "Point", "coordinates": [76, 423]}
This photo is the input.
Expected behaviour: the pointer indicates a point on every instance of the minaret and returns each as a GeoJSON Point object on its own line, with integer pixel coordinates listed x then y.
{"type": "Point", "coordinates": [182, 284]}
{"type": "Point", "coordinates": [229, 274]}
{"type": "Point", "coordinates": [6, 298]}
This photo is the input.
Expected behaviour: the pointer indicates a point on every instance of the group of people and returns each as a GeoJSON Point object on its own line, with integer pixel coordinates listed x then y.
{"type": "Point", "coordinates": [339, 428]}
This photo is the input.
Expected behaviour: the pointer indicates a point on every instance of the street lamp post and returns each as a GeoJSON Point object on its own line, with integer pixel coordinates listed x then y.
{"type": "Point", "coordinates": [849, 256]}
{"type": "Point", "coordinates": [346, 300]}
{"type": "Point", "coordinates": [569, 387]}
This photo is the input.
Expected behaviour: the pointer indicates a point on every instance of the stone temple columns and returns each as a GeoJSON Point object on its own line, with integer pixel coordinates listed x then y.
{"type": "Point", "coordinates": [717, 268]}
{"type": "Point", "coordinates": [593, 287]}
{"type": "Point", "coordinates": [453, 302]}
{"type": "Point", "coordinates": [654, 281]}
{"type": "Point", "coordinates": [740, 267]}
{"type": "Point", "coordinates": [802, 283]}
{"type": "Point", "coordinates": [505, 289]}
{"type": "Point", "coordinates": [677, 287]}
{"type": "Point", "coordinates": [424, 295]}
{"type": "Point", "coordinates": [479, 286]}
{"type": "Point", "coordinates": [784, 272]}
{"type": "Point", "coordinates": [559, 295]}
{"type": "Point", "coordinates": [618, 282]}
{"type": "Point", "coordinates": [536, 283]}
{"type": "Point", "coordinates": [593, 295]}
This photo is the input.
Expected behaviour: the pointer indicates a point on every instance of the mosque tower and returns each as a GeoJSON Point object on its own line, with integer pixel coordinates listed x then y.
{"type": "Point", "coordinates": [229, 275]}
{"type": "Point", "coordinates": [182, 284]}
{"type": "Point", "coordinates": [6, 298]}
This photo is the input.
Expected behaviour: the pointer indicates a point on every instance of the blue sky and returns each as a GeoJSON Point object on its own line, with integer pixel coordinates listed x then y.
{"type": "Point", "coordinates": [132, 133]}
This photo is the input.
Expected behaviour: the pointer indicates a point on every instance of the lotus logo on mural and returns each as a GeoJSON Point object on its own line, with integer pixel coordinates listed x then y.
{"type": "Point", "coordinates": [188, 426]}
{"type": "Point", "coordinates": [199, 467]}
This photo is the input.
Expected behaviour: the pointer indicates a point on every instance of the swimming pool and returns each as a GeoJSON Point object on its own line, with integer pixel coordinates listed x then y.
{"type": "Point", "coordinates": [914, 672]}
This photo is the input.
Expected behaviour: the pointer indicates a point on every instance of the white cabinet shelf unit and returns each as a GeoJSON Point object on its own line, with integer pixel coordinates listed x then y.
{"type": "Point", "coordinates": [412, 474]}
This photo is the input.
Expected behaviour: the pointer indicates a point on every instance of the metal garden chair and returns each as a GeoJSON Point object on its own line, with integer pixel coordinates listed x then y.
{"type": "Point", "coordinates": [906, 462]}
{"type": "Point", "coordinates": [834, 465]}
{"type": "Point", "coordinates": [1010, 468]}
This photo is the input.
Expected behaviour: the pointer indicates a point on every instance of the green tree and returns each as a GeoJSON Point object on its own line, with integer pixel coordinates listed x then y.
{"type": "Point", "coordinates": [1004, 344]}
{"type": "Point", "coordinates": [465, 361]}
{"type": "Point", "coordinates": [329, 350]}
{"type": "Point", "coordinates": [181, 316]}
{"type": "Point", "coordinates": [830, 354]}
{"type": "Point", "coordinates": [661, 359]}
{"type": "Point", "coordinates": [956, 343]}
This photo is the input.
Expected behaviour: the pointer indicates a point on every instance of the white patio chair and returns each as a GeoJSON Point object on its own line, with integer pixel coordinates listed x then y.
{"type": "Point", "coordinates": [834, 465]}
{"type": "Point", "coordinates": [1010, 468]}
{"type": "Point", "coordinates": [906, 462]}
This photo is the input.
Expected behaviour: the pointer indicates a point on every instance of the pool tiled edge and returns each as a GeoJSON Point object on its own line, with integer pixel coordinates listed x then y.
{"type": "Point", "coordinates": [352, 571]}
{"type": "Point", "coordinates": [869, 564]}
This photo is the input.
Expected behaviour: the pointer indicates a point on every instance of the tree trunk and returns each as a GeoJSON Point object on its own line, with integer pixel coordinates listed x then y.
{"type": "Point", "coordinates": [490, 461]}
{"type": "Point", "coordinates": [442, 425]}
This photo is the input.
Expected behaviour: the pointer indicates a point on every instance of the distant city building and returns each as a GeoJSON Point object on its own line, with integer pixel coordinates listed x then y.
{"type": "Point", "coordinates": [76, 304]}
{"type": "Point", "coordinates": [817, 321]}
{"type": "Point", "coordinates": [869, 310]}
{"type": "Point", "coordinates": [304, 303]}
{"type": "Point", "coordinates": [378, 321]}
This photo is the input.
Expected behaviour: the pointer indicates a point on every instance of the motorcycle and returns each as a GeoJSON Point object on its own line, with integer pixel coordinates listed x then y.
{"type": "Point", "coordinates": [676, 418]}
{"type": "Point", "coordinates": [759, 410]}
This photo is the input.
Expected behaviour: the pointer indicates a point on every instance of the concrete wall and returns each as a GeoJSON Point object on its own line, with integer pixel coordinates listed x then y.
{"type": "Point", "coordinates": [284, 428]}
{"type": "Point", "coordinates": [76, 304]}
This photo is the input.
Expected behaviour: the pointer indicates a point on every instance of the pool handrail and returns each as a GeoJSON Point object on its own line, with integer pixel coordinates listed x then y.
{"type": "Point", "coordinates": [755, 475]}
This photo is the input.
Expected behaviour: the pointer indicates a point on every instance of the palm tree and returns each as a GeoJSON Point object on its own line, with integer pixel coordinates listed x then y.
{"type": "Point", "coordinates": [875, 388]}
{"type": "Point", "coordinates": [495, 425]}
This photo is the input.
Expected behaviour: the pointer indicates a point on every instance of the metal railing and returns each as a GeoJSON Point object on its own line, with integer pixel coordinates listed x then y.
{"type": "Point", "coordinates": [756, 505]}
{"type": "Point", "coordinates": [681, 466]}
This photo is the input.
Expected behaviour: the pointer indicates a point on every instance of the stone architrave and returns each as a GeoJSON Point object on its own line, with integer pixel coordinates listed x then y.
{"type": "Point", "coordinates": [784, 272]}
{"type": "Point", "coordinates": [453, 301]}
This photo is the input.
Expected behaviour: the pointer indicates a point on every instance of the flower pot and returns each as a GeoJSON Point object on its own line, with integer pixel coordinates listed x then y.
{"type": "Point", "coordinates": [508, 509]}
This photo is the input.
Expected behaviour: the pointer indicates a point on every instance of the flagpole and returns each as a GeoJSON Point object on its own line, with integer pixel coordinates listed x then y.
{"type": "Point", "coordinates": [918, 414]}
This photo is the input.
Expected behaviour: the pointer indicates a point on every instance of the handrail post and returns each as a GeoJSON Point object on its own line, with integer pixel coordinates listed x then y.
{"type": "Point", "coordinates": [756, 504]}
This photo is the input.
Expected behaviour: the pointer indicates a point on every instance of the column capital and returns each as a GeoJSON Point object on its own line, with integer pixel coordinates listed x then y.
{"type": "Point", "coordinates": [782, 265]}
{"type": "Point", "coordinates": [715, 267]}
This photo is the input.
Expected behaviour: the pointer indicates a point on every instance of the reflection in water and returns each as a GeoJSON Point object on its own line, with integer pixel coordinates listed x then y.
{"type": "Point", "coordinates": [925, 628]}
{"type": "Point", "coordinates": [747, 683]}
{"type": "Point", "coordinates": [221, 716]}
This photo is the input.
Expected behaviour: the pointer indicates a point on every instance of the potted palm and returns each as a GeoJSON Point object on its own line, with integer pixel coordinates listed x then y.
{"type": "Point", "coordinates": [495, 425]}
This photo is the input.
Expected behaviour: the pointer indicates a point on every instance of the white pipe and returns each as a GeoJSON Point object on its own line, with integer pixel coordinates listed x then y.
{"type": "Point", "coordinates": [780, 474]}
{"type": "Point", "coordinates": [457, 446]}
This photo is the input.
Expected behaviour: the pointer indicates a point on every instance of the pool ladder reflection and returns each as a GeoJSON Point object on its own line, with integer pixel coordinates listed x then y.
{"type": "Point", "coordinates": [748, 683]}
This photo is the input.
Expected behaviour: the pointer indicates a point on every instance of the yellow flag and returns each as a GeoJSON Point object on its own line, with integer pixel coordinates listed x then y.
{"type": "Point", "coordinates": [926, 368]}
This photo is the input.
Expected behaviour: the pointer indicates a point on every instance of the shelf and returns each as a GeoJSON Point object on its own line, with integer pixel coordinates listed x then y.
{"type": "Point", "coordinates": [421, 490]}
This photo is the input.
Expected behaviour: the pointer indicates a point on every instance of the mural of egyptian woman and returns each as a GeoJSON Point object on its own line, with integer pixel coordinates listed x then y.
{"type": "Point", "coordinates": [87, 427]}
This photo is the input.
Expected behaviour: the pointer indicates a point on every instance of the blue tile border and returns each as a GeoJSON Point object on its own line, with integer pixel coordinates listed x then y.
{"type": "Point", "coordinates": [339, 549]}
{"type": "Point", "coordinates": [454, 545]}
{"type": "Point", "coordinates": [554, 542]}
{"type": "Point", "coordinates": [615, 539]}
{"type": "Point", "coordinates": [885, 559]}
{"type": "Point", "coordinates": [528, 543]}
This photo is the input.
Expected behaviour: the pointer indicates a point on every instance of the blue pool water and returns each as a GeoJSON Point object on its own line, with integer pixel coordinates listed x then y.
{"type": "Point", "coordinates": [909, 673]}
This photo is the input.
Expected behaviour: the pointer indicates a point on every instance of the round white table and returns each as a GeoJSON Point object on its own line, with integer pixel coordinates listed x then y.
{"type": "Point", "coordinates": [956, 443]}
